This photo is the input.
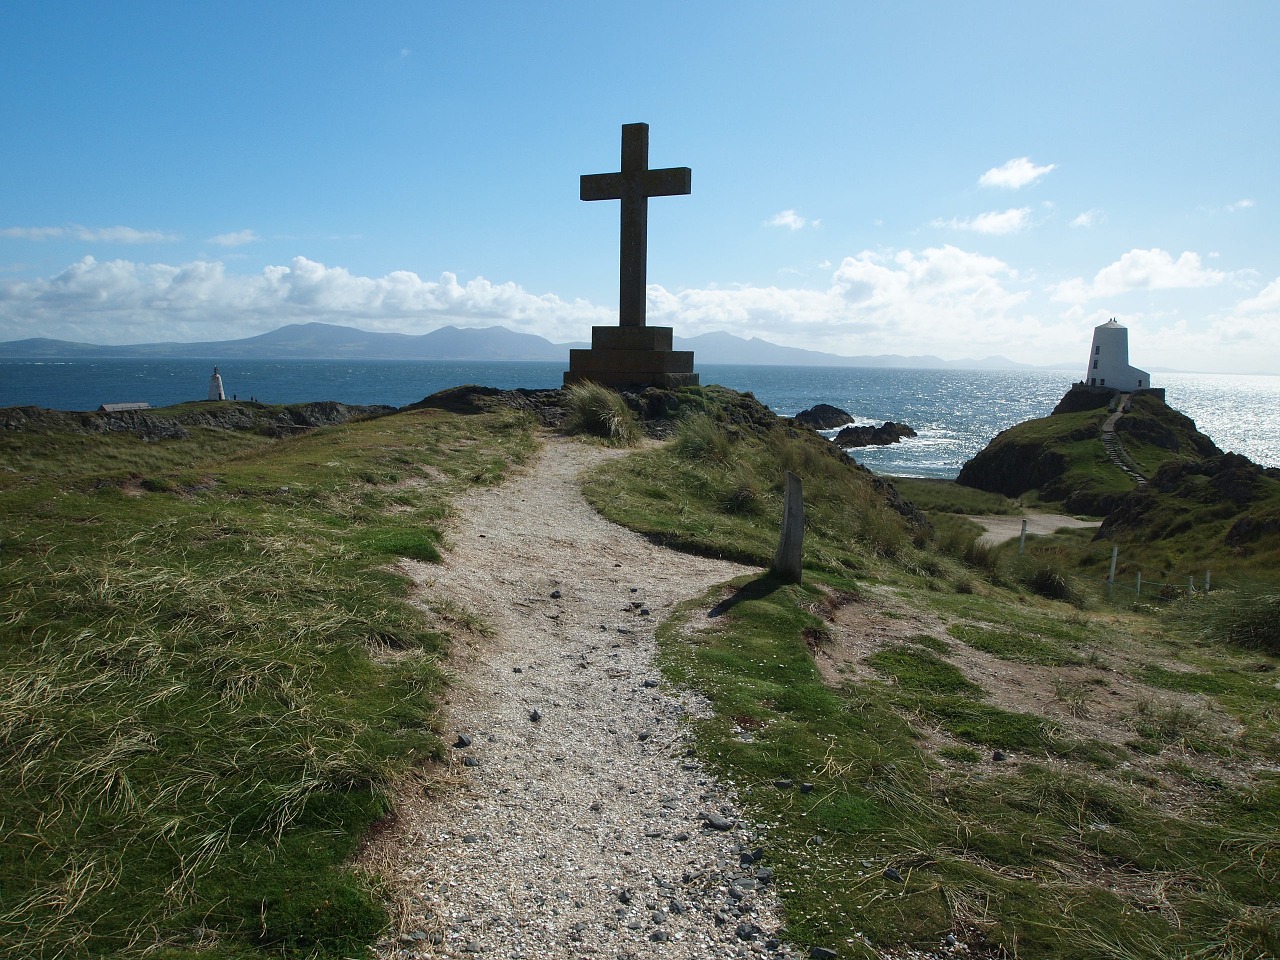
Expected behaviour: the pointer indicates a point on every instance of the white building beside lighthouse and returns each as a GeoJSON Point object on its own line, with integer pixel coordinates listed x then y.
{"type": "Point", "coordinates": [1109, 361]}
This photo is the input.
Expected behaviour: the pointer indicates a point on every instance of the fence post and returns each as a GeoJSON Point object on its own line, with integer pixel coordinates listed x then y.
{"type": "Point", "coordinates": [1022, 540]}
{"type": "Point", "coordinates": [1111, 576]}
{"type": "Point", "coordinates": [1139, 590]}
{"type": "Point", "coordinates": [1191, 586]}
{"type": "Point", "coordinates": [1206, 581]}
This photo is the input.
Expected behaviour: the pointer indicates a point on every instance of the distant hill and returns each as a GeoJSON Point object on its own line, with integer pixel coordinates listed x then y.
{"type": "Point", "coordinates": [327, 341]}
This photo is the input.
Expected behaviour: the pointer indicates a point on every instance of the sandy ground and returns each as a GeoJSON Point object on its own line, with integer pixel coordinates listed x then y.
{"type": "Point", "coordinates": [1002, 529]}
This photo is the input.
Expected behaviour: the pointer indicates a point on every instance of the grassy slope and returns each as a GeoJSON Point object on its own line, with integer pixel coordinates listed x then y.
{"type": "Point", "coordinates": [1163, 844]}
{"type": "Point", "coordinates": [208, 675]}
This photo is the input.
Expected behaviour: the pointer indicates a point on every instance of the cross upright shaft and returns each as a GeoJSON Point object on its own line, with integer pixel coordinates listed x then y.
{"type": "Point", "coordinates": [634, 185]}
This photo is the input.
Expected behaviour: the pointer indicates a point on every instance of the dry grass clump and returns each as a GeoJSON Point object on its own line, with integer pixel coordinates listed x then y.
{"type": "Point", "coordinates": [601, 412]}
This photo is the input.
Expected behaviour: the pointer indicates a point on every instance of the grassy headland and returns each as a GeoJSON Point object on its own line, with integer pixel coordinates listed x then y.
{"type": "Point", "coordinates": [938, 749]}
{"type": "Point", "coordinates": [209, 674]}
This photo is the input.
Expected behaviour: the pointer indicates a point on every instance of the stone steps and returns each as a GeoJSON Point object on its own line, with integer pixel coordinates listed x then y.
{"type": "Point", "coordinates": [1115, 449]}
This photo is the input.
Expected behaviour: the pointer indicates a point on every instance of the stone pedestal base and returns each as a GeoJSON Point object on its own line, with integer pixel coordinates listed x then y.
{"type": "Point", "coordinates": [632, 357]}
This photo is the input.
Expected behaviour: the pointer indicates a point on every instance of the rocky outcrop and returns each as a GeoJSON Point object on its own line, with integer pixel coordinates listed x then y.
{"type": "Point", "coordinates": [889, 432]}
{"type": "Point", "coordinates": [824, 416]}
{"type": "Point", "coordinates": [173, 423]}
{"type": "Point", "coordinates": [1227, 492]}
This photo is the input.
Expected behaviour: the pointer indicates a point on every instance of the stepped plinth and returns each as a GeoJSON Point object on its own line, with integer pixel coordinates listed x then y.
{"type": "Point", "coordinates": [632, 357]}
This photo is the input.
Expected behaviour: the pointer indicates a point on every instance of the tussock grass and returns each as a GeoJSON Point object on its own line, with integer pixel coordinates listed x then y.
{"type": "Point", "coordinates": [717, 489]}
{"type": "Point", "coordinates": [197, 716]}
{"type": "Point", "coordinates": [600, 412]}
{"type": "Point", "coordinates": [1246, 616]}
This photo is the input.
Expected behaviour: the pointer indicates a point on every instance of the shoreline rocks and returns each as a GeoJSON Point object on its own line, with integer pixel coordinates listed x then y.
{"type": "Point", "coordinates": [887, 433]}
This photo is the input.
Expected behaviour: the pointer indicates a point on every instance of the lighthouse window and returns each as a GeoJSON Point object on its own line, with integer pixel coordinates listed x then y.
{"type": "Point", "coordinates": [1097, 350]}
{"type": "Point", "coordinates": [1095, 364]}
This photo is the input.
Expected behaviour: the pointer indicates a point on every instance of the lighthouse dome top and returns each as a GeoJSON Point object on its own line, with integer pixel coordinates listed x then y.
{"type": "Point", "coordinates": [1111, 324]}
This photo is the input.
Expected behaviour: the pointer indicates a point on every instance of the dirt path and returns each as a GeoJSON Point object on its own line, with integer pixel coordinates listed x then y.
{"type": "Point", "coordinates": [576, 827]}
{"type": "Point", "coordinates": [1002, 529]}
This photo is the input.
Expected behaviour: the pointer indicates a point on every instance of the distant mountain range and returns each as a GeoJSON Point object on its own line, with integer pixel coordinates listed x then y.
{"type": "Point", "coordinates": [326, 341]}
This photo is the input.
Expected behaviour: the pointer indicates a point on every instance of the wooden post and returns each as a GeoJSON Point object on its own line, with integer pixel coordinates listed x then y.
{"type": "Point", "coordinates": [1139, 591]}
{"type": "Point", "coordinates": [789, 560]}
{"type": "Point", "coordinates": [1206, 581]}
{"type": "Point", "coordinates": [1191, 586]}
{"type": "Point", "coordinates": [1022, 540]}
{"type": "Point", "coordinates": [1111, 577]}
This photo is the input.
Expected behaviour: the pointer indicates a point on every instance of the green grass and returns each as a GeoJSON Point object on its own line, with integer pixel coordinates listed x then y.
{"type": "Point", "coordinates": [718, 489]}
{"type": "Point", "coordinates": [209, 675]}
{"type": "Point", "coordinates": [1066, 848]}
{"type": "Point", "coordinates": [947, 496]}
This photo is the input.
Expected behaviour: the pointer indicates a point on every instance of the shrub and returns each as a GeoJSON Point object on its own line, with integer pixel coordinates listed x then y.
{"type": "Point", "coordinates": [601, 412]}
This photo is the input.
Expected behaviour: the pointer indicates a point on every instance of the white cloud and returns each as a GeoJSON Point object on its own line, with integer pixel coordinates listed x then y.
{"type": "Point", "coordinates": [1268, 299]}
{"type": "Point", "coordinates": [941, 300]}
{"type": "Point", "coordinates": [1153, 269]}
{"type": "Point", "coordinates": [122, 301]}
{"type": "Point", "coordinates": [791, 220]}
{"type": "Point", "coordinates": [237, 239]}
{"type": "Point", "coordinates": [122, 235]}
{"type": "Point", "coordinates": [1089, 218]}
{"type": "Point", "coordinates": [32, 233]}
{"type": "Point", "coordinates": [1014, 175]}
{"type": "Point", "coordinates": [90, 234]}
{"type": "Point", "coordinates": [1244, 204]}
{"type": "Point", "coordinates": [1005, 221]}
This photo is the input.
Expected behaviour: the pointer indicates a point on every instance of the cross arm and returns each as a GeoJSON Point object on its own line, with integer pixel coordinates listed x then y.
{"type": "Point", "coordinates": [668, 182]}
{"type": "Point", "coordinates": [601, 186]}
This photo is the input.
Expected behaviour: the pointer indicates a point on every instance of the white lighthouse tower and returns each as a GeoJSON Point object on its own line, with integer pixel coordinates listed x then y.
{"type": "Point", "coordinates": [215, 386]}
{"type": "Point", "coordinates": [1109, 361]}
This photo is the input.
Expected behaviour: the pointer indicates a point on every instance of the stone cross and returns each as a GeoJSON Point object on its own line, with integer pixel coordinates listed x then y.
{"type": "Point", "coordinates": [634, 185]}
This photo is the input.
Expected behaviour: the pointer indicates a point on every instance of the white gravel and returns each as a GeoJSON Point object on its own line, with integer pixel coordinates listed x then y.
{"type": "Point", "coordinates": [579, 833]}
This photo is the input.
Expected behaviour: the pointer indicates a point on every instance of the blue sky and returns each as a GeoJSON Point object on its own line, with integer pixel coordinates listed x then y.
{"type": "Point", "coordinates": [945, 178]}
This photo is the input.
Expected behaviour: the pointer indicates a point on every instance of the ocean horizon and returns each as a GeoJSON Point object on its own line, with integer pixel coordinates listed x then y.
{"type": "Point", "coordinates": [955, 412]}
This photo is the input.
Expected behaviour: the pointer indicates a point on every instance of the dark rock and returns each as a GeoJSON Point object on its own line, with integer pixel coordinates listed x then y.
{"type": "Point", "coordinates": [555, 594]}
{"type": "Point", "coordinates": [784, 784]}
{"type": "Point", "coordinates": [746, 931]}
{"type": "Point", "coordinates": [716, 822]}
{"type": "Point", "coordinates": [889, 432]}
{"type": "Point", "coordinates": [535, 715]}
{"type": "Point", "coordinates": [651, 683]}
{"type": "Point", "coordinates": [462, 742]}
{"type": "Point", "coordinates": [823, 953]}
{"type": "Point", "coordinates": [517, 670]}
{"type": "Point", "coordinates": [806, 788]}
{"type": "Point", "coordinates": [469, 761]}
{"type": "Point", "coordinates": [891, 874]}
{"type": "Point", "coordinates": [624, 895]}
{"type": "Point", "coordinates": [658, 936]}
{"type": "Point", "coordinates": [643, 735]}
{"type": "Point", "coordinates": [999, 755]}
{"type": "Point", "coordinates": [823, 416]}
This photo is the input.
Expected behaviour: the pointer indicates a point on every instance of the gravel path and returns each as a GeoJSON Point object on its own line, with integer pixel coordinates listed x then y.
{"type": "Point", "coordinates": [575, 823]}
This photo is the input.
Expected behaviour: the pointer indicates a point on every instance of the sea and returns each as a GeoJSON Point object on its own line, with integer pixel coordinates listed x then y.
{"type": "Point", "coordinates": [955, 412]}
